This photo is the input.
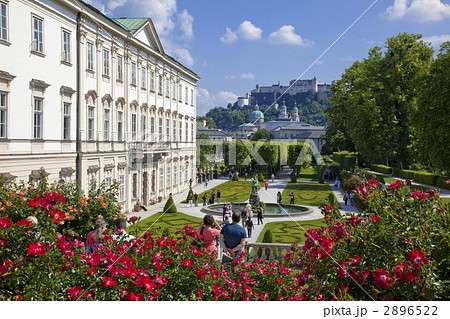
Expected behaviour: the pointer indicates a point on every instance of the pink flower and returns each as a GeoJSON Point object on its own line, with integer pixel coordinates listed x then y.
{"type": "Point", "coordinates": [341, 270]}
{"type": "Point", "coordinates": [36, 249]}
{"type": "Point", "coordinates": [381, 278]}
{"type": "Point", "coordinates": [200, 293]}
{"type": "Point", "coordinates": [417, 257]}
{"type": "Point", "coordinates": [108, 282]}
{"type": "Point", "coordinates": [375, 219]}
{"type": "Point", "coordinates": [74, 292]}
{"type": "Point", "coordinates": [187, 263]}
{"type": "Point", "coordinates": [5, 222]}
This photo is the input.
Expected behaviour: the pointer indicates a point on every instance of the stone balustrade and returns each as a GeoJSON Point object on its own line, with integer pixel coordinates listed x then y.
{"type": "Point", "coordinates": [252, 251]}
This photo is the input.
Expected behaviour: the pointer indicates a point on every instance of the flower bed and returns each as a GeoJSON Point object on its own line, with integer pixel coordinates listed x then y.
{"type": "Point", "coordinates": [398, 252]}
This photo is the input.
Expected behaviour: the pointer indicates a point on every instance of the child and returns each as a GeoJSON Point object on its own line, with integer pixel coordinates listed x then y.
{"type": "Point", "coordinates": [227, 219]}
{"type": "Point", "coordinates": [249, 225]}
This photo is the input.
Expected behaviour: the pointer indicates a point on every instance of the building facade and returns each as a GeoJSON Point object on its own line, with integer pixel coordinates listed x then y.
{"type": "Point", "coordinates": [93, 99]}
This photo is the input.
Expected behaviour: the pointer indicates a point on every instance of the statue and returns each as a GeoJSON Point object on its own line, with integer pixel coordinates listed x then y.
{"type": "Point", "coordinates": [255, 184]}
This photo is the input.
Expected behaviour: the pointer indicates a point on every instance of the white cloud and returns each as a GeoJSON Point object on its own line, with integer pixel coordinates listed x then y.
{"type": "Point", "coordinates": [248, 31]}
{"type": "Point", "coordinates": [166, 18]}
{"type": "Point", "coordinates": [206, 101]}
{"type": "Point", "coordinates": [247, 76]}
{"type": "Point", "coordinates": [225, 97]}
{"type": "Point", "coordinates": [229, 36]}
{"type": "Point", "coordinates": [418, 10]}
{"type": "Point", "coordinates": [178, 52]}
{"type": "Point", "coordinates": [437, 40]}
{"type": "Point", "coordinates": [230, 77]}
{"type": "Point", "coordinates": [186, 22]}
{"type": "Point", "coordinates": [319, 62]}
{"type": "Point", "coordinates": [286, 35]}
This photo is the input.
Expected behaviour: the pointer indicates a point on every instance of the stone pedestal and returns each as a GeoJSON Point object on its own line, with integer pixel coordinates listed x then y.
{"type": "Point", "coordinates": [254, 200]}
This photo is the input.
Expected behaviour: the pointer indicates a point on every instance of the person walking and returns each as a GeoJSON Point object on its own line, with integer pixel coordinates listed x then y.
{"type": "Point", "coordinates": [266, 184]}
{"type": "Point", "coordinates": [213, 196]}
{"type": "Point", "coordinates": [292, 198]}
{"type": "Point", "coordinates": [224, 211]}
{"type": "Point", "coordinates": [259, 215]}
{"type": "Point", "coordinates": [273, 176]}
{"type": "Point", "coordinates": [346, 198]}
{"type": "Point", "coordinates": [209, 230]}
{"type": "Point", "coordinates": [190, 200]}
{"type": "Point", "coordinates": [195, 199]}
{"type": "Point", "coordinates": [218, 196]}
{"type": "Point", "coordinates": [244, 216]}
{"type": "Point", "coordinates": [233, 238]}
{"type": "Point", "coordinates": [279, 197]}
{"type": "Point", "coordinates": [249, 226]}
{"type": "Point", "coordinates": [205, 197]}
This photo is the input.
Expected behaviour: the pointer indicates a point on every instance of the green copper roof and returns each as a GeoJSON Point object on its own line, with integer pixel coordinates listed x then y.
{"type": "Point", "coordinates": [257, 115]}
{"type": "Point", "coordinates": [131, 24]}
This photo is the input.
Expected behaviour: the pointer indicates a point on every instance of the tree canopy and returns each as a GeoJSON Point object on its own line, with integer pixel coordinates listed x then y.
{"type": "Point", "coordinates": [375, 99]}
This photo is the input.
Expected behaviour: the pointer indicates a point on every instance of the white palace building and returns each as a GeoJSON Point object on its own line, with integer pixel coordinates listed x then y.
{"type": "Point", "coordinates": [93, 99]}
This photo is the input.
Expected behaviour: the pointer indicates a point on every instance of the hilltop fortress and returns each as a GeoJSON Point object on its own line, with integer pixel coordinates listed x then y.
{"type": "Point", "coordinates": [266, 95]}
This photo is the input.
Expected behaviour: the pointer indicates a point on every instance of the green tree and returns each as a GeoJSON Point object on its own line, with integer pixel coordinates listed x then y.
{"type": "Point", "coordinates": [378, 96]}
{"type": "Point", "coordinates": [209, 121]}
{"type": "Point", "coordinates": [432, 116]}
{"type": "Point", "coordinates": [299, 156]}
{"type": "Point", "coordinates": [261, 134]}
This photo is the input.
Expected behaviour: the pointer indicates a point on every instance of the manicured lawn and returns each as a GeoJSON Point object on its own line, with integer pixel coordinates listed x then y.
{"type": "Point", "coordinates": [445, 200]}
{"type": "Point", "coordinates": [310, 194]}
{"type": "Point", "coordinates": [172, 221]}
{"type": "Point", "coordinates": [308, 174]}
{"type": "Point", "coordinates": [289, 232]}
{"type": "Point", "coordinates": [231, 191]}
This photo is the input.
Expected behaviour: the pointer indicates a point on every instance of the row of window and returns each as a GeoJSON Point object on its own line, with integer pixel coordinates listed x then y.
{"type": "Point", "coordinates": [147, 127]}
{"type": "Point", "coordinates": [168, 89]}
{"type": "Point", "coordinates": [38, 117]}
{"type": "Point", "coordinates": [176, 175]}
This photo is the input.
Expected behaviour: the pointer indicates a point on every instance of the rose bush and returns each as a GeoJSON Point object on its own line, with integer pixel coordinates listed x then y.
{"type": "Point", "coordinates": [398, 251]}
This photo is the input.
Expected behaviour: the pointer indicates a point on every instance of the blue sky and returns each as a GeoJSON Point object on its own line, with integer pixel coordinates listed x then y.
{"type": "Point", "coordinates": [235, 44]}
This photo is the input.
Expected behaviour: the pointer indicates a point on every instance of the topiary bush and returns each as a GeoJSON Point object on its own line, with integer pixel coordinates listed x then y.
{"type": "Point", "coordinates": [294, 178]}
{"type": "Point", "coordinates": [261, 177]}
{"type": "Point", "coordinates": [170, 207]}
{"type": "Point", "coordinates": [235, 177]}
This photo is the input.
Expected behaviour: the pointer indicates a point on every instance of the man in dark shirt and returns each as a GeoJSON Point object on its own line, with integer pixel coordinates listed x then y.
{"type": "Point", "coordinates": [233, 238]}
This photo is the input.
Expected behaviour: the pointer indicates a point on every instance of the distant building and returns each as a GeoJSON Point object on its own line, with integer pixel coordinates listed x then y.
{"type": "Point", "coordinates": [267, 95]}
{"type": "Point", "coordinates": [216, 135]}
{"type": "Point", "coordinates": [300, 132]}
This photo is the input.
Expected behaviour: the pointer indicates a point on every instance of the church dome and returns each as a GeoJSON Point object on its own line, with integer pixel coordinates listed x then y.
{"type": "Point", "coordinates": [283, 107]}
{"type": "Point", "coordinates": [257, 114]}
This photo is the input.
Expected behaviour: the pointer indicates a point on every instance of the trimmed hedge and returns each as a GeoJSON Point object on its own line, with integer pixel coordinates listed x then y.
{"type": "Point", "coordinates": [403, 173]}
{"type": "Point", "coordinates": [425, 178]}
{"type": "Point", "coordinates": [346, 160]}
{"type": "Point", "coordinates": [442, 182]}
{"type": "Point", "coordinates": [381, 168]}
